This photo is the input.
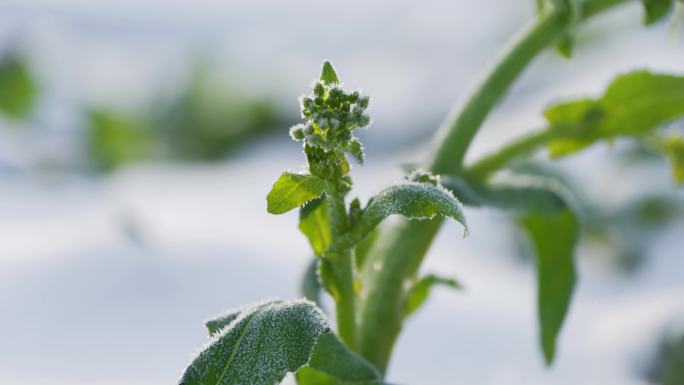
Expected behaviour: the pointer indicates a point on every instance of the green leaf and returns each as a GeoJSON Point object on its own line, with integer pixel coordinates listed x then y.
{"type": "Point", "coordinates": [565, 45]}
{"type": "Point", "coordinates": [519, 193]}
{"type": "Point", "coordinates": [356, 150]}
{"type": "Point", "coordinates": [294, 190]}
{"type": "Point", "coordinates": [116, 139]}
{"type": "Point", "coordinates": [554, 237]}
{"type": "Point", "coordinates": [655, 10]}
{"type": "Point", "coordinates": [215, 325]}
{"type": "Point", "coordinates": [315, 224]}
{"type": "Point", "coordinates": [310, 287]}
{"type": "Point", "coordinates": [328, 74]}
{"type": "Point", "coordinates": [259, 344]}
{"type": "Point", "coordinates": [311, 376]}
{"type": "Point", "coordinates": [413, 200]}
{"type": "Point", "coordinates": [333, 358]}
{"type": "Point", "coordinates": [633, 105]}
{"type": "Point", "coordinates": [419, 292]}
{"type": "Point", "coordinates": [17, 88]}
{"type": "Point", "coordinates": [673, 148]}
{"type": "Point", "coordinates": [363, 248]}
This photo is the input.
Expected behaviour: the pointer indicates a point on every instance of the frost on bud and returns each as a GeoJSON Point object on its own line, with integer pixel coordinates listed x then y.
{"type": "Point", "coordinates": [331, 116]}
{"type": "Point", "coordinates": [422, 176]}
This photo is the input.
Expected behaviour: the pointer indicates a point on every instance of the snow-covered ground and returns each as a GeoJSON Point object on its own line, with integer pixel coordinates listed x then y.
{"type": "Point", "coordinates": [106, 280]}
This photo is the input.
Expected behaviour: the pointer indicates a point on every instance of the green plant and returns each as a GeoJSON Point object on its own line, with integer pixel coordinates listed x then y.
{"type": "Point", "coordinates": [371, 273]}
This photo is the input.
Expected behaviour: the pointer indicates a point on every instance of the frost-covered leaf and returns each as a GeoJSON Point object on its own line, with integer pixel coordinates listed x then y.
{"type": "Point", "coordinates": [17, 87]}
{"type": "Point", "coordinates": [294, 190]}
{"type": "Point", "coordinates": [259, 344]}
{"type": "Point", "coordinates": [419, 292]}
{"type": "Point", "coordinates": [655, 10]}
{"type": "Point", "coordinates": [412, 200]}
{"type": "Point", "coordinates": [315, 224]}
{"type": "Point", "coordinates": [517, 193]}
{"type": "Point", "coordinates": [553, 237]}
{"type": "Point", "coordinates": [216, 324]}
{"type": "Point", "coordinates": [328, 74]}
{"type": "Point", "coordinates": [633, 105]}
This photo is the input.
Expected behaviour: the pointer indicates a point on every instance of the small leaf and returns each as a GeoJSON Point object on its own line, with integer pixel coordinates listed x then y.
{"type": "Point", "coordinates": [328, 74]}
{"type": "Point", "coordinates": [673, 148]}
{"type": "Point", "coordinates": [565, 45]}
{"type": "Point", "coordinates": [17, 88]}
{"type": "Point", "coordinates": [310, 287]}
{"type": "Point", "coordinates": [293, 190]}
{"type": "Point", "coordinates": [216, 324]}
{"type": "Point", "coordinates": [259, 344]}
{"type": "Point", "coordinates": [412, 200]}
{"type": "Point", "coordinates": [655, 10]}
{"type": "Point", "coordinates": [315, 224]}
{"type": "Point", "coordinates": [553, 237]}
{"type": "Point", "coordinates": [419, 292]}
{"type": "Point", "coordinates": [356, 150]}
{"type": "Point", "coordinates": [633, 105]}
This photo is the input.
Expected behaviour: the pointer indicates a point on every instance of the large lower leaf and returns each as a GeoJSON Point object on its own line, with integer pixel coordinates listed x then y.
{"type": "Point", "coordinates": [413, 200]}
{"type": "Point", "coordinates": [259, 344]}
{"type": "Point", "coordinates": [293, 190]}
{"type": "Point", "coordinates": [634, 104]}
{"type": "Point", "coordinates": [553, 237]}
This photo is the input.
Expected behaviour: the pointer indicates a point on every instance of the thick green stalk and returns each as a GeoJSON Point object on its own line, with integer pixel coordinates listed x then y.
{"type": "Point", "coordinates": [397, 255]}
{"type": "Point", "coordinates": [342, 266]}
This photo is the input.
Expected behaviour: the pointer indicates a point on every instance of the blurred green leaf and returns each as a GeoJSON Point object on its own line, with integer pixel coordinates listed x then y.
{"type": "Point", "coordinates": [116, 139]}
{"type": "Point", "coordinates": [655, 10]}
{"type": "Point", "coordinates": [18, 89]}
{"type": "Point", "coordinates": [668, 365]}
{"type": "Point", "coordinates": [315, 224]}
{"type": "Point", "coordinates": [633, 105]}
{"type": "Point", "coordinates": [673, 148]}
{"type": "Point", "coordinates": [294, 190]}
{"type": "Point", "coordinates": [310, 287]}
{"type": "Point", "coordinates": [554, 237]}
{"type": "Point", "coordinates": [419, 292]}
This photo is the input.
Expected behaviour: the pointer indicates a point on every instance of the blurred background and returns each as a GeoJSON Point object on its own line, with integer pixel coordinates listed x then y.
{"type": "Point", "coordinates": [138, 141]}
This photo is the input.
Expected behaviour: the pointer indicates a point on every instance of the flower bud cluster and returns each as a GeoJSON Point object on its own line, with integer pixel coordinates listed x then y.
{"type": "Point", "coordinates": [331, 117]}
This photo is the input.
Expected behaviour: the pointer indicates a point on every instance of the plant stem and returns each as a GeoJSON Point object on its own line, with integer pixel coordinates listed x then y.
{"type": "Point", "coordinates": [398, 253]}
{"type": "Point", "coordinates": [481, 169]}
{"type": "Point", "coordinates": [342, 265]}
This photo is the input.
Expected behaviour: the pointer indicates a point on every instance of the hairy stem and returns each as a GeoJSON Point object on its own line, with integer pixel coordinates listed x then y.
{"type": "Point", "coordinates": [342, 265]}
{"type": "Point", "coordinates": [397, 255]}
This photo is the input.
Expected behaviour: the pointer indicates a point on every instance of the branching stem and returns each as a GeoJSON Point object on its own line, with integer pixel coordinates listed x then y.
{"type": "Point", "coordinates": [398, 253]}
